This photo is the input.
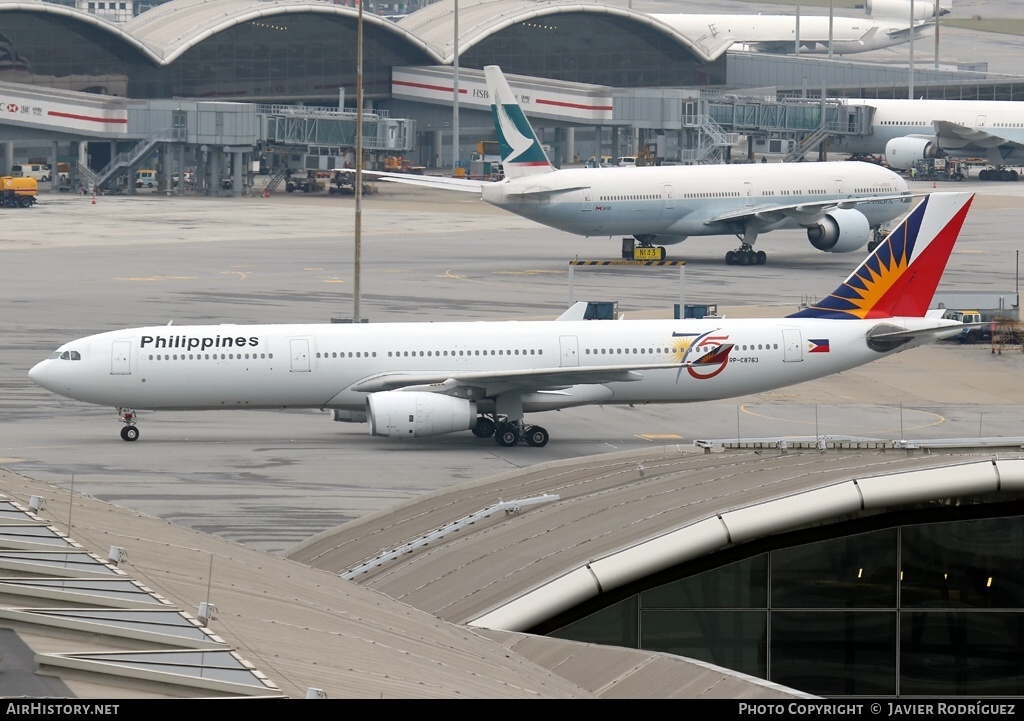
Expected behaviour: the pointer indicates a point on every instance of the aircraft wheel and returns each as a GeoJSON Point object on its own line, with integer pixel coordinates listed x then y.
{"type": "Point", "coordinates": [507, 435]}
{"type": "Point", "coordinates": [1004, 175]}
{"type": "Point", "coordinates": [743, 257]}
{"type": "Point", "coordinates": [536, 436]}
{"type": "Point", "coordinates": [730, 258]}
{"type": "Point", "coordinates": [484, 427]}
{"type": "Point", "coordinates": [1014, 176]}
{"type": "Point", "coordinates": [130, 433]}
{"type": "Point", "coordinates": [762, 257]}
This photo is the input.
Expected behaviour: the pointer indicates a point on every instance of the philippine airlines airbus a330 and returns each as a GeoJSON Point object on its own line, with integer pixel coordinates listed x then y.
{"type": "Point", "coordinates": [421, 379]}
{"type": "Point", "coordinates": [839, 204]}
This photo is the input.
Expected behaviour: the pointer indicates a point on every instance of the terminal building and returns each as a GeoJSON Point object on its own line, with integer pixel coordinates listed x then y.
{"type": "Point", "coordinates": [658, 83]}
{"type": "Point", "coordinates": [884, 571]}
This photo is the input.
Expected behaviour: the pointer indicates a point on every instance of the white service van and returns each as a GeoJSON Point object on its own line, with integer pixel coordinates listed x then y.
{"type": "Point", "coordinates": [31, 170]}
{"type": "Point", "coordinates": [145, 179]}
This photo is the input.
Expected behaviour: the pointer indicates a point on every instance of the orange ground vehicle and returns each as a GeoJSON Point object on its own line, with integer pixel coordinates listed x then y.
{"type": "Point", "coordinates": [18, 192]}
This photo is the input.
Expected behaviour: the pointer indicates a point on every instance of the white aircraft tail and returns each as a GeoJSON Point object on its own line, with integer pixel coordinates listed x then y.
{"type": "Point", "coordinates": [521, 152]}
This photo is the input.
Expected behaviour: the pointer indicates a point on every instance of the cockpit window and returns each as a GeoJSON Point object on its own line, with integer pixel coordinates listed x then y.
{"type": "Point", "coordinates": [56, 354]}
{"type": "Point", "coordinates": [75, 355]}
{"type": "Point", "coordinates": [67, 355]}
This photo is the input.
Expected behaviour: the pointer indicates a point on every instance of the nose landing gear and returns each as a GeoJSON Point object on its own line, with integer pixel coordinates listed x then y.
{"type": "Point", "coordinates": [130, 432]}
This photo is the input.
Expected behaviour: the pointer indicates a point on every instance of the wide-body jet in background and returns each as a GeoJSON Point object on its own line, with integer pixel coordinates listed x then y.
{"type": "Point", "coordinates": [421, 379]}
{"type": "Point", "coordinates": [841, 205]}
{"type": "Point", "coordinates": [907, 131]}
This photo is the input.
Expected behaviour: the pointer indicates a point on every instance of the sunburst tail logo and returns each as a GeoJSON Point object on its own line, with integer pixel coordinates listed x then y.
{"type": "Point", "coordinates": [900, 276]}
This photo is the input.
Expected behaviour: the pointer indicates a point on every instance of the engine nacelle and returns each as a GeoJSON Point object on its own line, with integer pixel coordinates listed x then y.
{"type": "Point", "coordinates": [348, 416]}
{"type": "Point", "coordinates": [900, 9]}
{"type": "Point", "coordinates": [904, 152]}
{"type": "Point", "coordinates": [840, 231]}
{"type": "Point", "coordinates": [412, 414]}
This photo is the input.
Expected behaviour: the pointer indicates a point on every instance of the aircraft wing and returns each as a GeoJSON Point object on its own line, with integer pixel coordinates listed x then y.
{"type": "Point", "coordinates": [953, 136]}
{"type": "Point", "coordinates": [804, 213]}
{"type": "Point", "coordinates": [465, 185]}
{"type": "Point", "coordinates": [528, 379]}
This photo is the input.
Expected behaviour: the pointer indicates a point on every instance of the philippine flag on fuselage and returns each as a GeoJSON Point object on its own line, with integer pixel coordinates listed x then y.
{"type": "Point", "coordinates": [818, 345]}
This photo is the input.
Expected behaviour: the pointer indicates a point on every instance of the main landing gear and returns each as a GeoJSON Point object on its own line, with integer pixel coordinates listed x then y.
{"type": "Point", "coordinates": [746, 255]}
{"type": "Point", "coordinates": [130, 432]}
{"type": "Point", "coordinates": [877, 237]}
{"type": "Point", "coordinates": [509, 433]}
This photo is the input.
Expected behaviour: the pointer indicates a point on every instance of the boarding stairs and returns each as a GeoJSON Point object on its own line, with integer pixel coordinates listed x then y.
{"type": "Point", "coordinates": [123, 162]}
{"type": "Point", "coordinates": [806, 144]}
{"type": "Point", "coordinates": [276, 179]}
{"type": "Point", "coordinates": [712, 141]}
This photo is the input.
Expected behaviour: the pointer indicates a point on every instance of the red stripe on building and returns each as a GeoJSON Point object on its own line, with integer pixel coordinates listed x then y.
{"type": "Point", "coordinates": [425, 86]}
{"type": "Point", "coordinates": [74, 116]}
{"type": "Point", "coordinates": [577, 106]}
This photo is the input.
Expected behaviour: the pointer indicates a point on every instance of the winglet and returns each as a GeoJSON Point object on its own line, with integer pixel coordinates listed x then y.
{"type": "Point", "coordinates": [521, 151]}
{"type": "Point", "coordinates": [899, 277]}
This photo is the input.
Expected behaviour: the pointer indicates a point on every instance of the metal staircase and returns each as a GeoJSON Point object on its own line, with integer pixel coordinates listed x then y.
{"type": "Point", "coordinates": [276, 179]}
{"type": "Point", "coordinates": [712, 140]}
{"type": "Point", "coordinates": [806, 144]}
{"type": "Point", "coordinates": [125, 161]}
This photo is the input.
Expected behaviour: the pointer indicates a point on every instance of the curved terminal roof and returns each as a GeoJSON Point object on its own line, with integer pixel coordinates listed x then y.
{"type": "Point", "coordinates": [615, 519]}
{"type": "Point", "coordinates": [480, 19]}
{"type": "Point", "coordinates": [54, 10]}
{"type": "Point", "coordinates": [172, 28]}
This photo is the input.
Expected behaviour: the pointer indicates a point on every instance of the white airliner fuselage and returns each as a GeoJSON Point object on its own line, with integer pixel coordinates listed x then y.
{"type": "Point", "coordinates": [338, 366]}
{"type": "Point", "coordinates": [671, 203]}
{"type": "Point", "coordinates": [423, 379]}
{"type": "Point", "coordinates": [778, 33]}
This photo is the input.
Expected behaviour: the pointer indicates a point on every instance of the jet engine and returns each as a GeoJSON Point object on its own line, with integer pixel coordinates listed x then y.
{"type": "Point", "coordinates": [904, 152]}
{"type": "Point", "coordinates": [412, 414]}
{"type": "Point", "coordinates": [839, 231]}
{"type": "Point", "coordinates": [900, 9]}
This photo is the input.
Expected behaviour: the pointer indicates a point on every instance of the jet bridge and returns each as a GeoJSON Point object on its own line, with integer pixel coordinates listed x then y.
{"type": "Point", "coordinates": [219, 138]}
{"type": "Point", "coordinates": [798, 123]}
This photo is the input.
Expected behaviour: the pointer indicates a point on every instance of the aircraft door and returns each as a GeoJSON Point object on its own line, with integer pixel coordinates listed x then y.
{"type": "Point", "coordinates": [792, 345]}
{"type": "Point", "coordinates": [670, 201]}
{"type": "Point", "coordinates": [120, 358]}
{"type": "Point", "coordinates": [982, 119]}
{"type": "Point", "coordinates": [300, 355]}
{"type": "Point", "coordinates": [588, 199]}
{"type": "Point", "coordinates": [570, 351]}
{"type": "Point", "coordinates": [748, 190]}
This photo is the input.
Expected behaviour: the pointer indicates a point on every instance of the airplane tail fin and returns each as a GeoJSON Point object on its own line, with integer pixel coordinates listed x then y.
{"type": "Point", "coordinates": [521, 152]}
{"type": "Point", "coordinates": [899, 277]}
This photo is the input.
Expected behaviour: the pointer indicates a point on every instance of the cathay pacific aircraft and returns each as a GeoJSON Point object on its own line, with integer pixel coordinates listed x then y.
{"type": "Point", "coordinates": [911, 130]}
{"type": "Point", "coordinates": [839, 204]}
{"type": "Point", "coordinates": [410, 380]}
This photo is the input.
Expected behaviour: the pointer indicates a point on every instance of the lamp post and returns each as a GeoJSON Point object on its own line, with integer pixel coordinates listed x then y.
{"type": "Point", "coordinates": [357, 261]}
{"type": "Point", "coordinates": [455, 92]}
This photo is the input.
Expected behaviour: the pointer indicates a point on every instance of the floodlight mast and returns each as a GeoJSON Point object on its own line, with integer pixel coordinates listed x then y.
{"type": "Point", "coordinates": [356, 264]}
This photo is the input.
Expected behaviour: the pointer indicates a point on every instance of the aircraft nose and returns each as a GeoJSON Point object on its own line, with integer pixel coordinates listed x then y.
{"type": "Point", "coordinates": [38, 375]}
